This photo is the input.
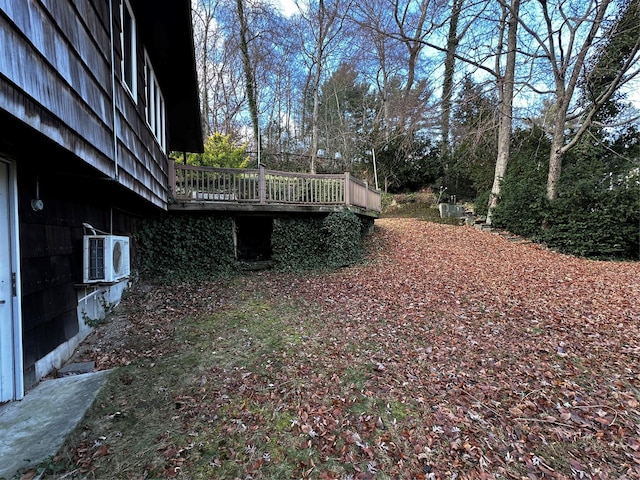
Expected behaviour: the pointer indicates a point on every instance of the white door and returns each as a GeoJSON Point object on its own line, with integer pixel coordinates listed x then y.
{"type": "Point", "coordinates": [10, 336]}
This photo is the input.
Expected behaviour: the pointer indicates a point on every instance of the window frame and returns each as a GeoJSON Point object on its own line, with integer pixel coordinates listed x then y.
{"type": "Point", "coordinates": [155, 110]}
{"type": "Point", "coordinates": [128, 43]}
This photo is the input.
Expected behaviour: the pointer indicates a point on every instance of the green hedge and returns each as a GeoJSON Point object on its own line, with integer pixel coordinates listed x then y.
{"type": "Point", "coordinates": [596, 215]}
{"type": "Point", "coordinates": [597, 212]}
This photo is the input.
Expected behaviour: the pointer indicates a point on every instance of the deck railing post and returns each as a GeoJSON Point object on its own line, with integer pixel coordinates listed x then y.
{"type": "Point", "coordinates": [262, 184]}
{"type": "Point", "coordinates": [366, 194]}
{"type": "Point", "coordinates": [347, 188]}
{"type": "Point", "coordinates": [171, 177]}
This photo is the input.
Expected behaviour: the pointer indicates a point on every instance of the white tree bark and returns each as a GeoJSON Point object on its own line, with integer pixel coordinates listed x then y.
{"type": "Point", "coordinates": [505, 104]}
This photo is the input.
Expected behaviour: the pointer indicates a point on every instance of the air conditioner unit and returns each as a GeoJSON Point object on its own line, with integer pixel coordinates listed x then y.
{"type": "Point", "coordinates": [105, 258]}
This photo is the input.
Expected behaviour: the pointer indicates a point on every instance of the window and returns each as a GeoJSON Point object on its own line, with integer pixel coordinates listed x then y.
{"type": "Point", "coordinates": [154, 110]}
{"type": "Point", "coordinates": [128, 37]}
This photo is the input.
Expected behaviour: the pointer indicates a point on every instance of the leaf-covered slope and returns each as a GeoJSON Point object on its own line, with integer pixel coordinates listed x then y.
{"type": "Point", "coordinates": [452, 353]}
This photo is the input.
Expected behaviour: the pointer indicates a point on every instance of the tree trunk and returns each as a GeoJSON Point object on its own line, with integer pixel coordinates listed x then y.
{"type": "Point", "coordinates": [505, 109]}
{"type": "Point", "coordinates": [249, 76]}
{"type": "Point", "coordinates": [447, 83]}
{"type": "Point", "coordinates": [314, 119]}
{"type": "Point", "coordinates": [204, 83]}
{"type": "Point", "coordinates": [414, 42]}
{"type": "Point", "coordinates": [204, 39]}
{"type": "Point", "coordinates": [567, 70]}
{"type": "Point", "coordinates": [555, 157]}
{"type": "Point", "coordinates": [323, 29]}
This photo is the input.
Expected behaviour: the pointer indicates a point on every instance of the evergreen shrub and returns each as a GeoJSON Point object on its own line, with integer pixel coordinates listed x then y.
{"type": "Point", "coordinates": [522, 207]}
{"type": "Point", "coordinates": [596, 215]}
{"type": "Point", "coordinates": [481, 203]}
{"type": "Point", "coordinates": [597, 212]}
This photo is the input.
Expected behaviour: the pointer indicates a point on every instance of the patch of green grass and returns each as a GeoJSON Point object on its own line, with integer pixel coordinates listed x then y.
{"type": "Point", "coordinates": [389, 411]}
{"type": "Point", "coordinates": [397, 410]}
{"type": "Point", "coordinates": [355, 376]}
{"type": "Point", "coordinates": [237, 444]}
{"type": "Point", "coordinates": [132, 421]}
{"type": "Point", "coordinates": [245, 336]}
{"type": "Point", "coordinates": [204, 405]}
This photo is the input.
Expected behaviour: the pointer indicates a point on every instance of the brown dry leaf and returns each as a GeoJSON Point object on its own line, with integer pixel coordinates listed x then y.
{"type": "Point", "coordinates": [442, 347]}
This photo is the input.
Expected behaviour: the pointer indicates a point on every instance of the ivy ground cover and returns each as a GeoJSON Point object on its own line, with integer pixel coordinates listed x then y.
{"type": "Point", "coordinates": [451, 353]}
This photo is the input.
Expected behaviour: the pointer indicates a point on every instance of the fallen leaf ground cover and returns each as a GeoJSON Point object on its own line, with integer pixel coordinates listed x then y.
{"type": "Point", "coordinates": [451, 353]}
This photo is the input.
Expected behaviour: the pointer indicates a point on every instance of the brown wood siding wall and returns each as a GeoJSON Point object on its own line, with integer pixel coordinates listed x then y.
{"type": "Point", "coordinates": [57, 78]}
{"type": "Point", "coordinates": [51, 256]}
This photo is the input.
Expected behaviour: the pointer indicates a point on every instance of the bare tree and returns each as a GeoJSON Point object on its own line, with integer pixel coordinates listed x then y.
{"type": "Point", "coordinates": [459, 23]}
{"type": "Point", "coordinates": [248, 67]}
{"type": "Point", "coordinates": [222, 96]}
{"type": "Point", "coordinates": [206, 36]}
{"type": "Point", "coordinates": [280, 91]}
{"type": "Point", "coordinates": [380, 54]}
{"type": "Point", "coordinates": [572, 32]}
{"type": "Point", "coordinates": [323, 22]}
{"type": "Point", "coordinates": [397, 30]}
{"type": "Point", "coordinates": [506, 80]}
{"type": "Point", "coordinates": [414, 20]}
{"type": "Point", "coordinates": [202, 26]}
{"type": "Point", "coordinates": [453, 40]}
{"type": "Point", "coordinates": [490, 39]}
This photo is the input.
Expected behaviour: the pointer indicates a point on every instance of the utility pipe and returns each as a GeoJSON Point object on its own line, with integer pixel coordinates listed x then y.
{"type": "Point", "coordinates": [113, 91]}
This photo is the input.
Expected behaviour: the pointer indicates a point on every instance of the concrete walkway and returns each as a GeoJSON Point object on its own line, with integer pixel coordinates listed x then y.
{"type": "Point", "coordinates": [35, 428]}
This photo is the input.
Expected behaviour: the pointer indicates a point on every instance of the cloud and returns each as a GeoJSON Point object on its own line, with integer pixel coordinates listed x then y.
{"type": "Point", "coordinates": [286, 7]}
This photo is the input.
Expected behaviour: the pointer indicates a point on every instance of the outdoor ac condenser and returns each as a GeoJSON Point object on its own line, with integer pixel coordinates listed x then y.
{"type": "Point", "coordinates": [106, 258]}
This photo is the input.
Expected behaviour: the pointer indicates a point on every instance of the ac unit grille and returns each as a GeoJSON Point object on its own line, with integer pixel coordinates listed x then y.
{"type": "Point", "coordinates": [96, 258]}
{"type": "Point", "coordinates": [106, 258]}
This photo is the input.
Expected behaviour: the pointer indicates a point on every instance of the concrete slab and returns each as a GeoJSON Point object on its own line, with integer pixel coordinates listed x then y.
{"type": "Point", "coordinates": [76, 368]}
{"type": "Point", "coordinates": [35, 428]}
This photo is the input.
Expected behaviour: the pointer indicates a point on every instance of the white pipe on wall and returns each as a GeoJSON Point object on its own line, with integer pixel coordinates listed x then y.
{"type": "Point", "coordinates": [113, 90]}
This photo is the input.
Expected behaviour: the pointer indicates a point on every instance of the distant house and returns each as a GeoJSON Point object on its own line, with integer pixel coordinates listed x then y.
{"type": "Point", "coordinates": [93, 94]}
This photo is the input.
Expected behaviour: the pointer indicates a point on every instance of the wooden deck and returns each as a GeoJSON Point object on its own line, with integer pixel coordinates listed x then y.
{"type": "Point", "coordinates": [262, 190]}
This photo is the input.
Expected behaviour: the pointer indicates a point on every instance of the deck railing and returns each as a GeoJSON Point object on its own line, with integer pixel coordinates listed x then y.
{"type": "Point", "coordinates": [262, 186]}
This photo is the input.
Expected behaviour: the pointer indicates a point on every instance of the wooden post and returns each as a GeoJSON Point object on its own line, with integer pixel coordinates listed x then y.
{"type": "Point", "coordinates": [262, 184]}
{"type": "Point", "coordinates": [347, 188]}
{"type": "Point", "coordinates": [366, 195]}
